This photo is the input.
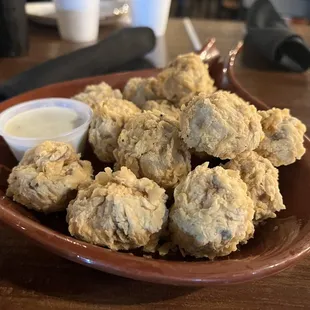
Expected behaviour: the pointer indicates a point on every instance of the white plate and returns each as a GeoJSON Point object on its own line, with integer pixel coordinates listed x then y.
{"type": "Point", "coordinates": [45, 12]}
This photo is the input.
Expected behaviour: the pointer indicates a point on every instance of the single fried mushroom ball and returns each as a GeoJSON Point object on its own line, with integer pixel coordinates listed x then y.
{"type": "Point", "coordinates": [139, 90]}
{"type": "Point", "coordinates": [95, 94]}
{"type": "Point", "coordinates": [261, 178]}
{"type": "Point", "coordinates": [284, 137]}
{"type": "Point", "coordinates": [48, 177]}
{"type": "Point", "coordinates": [119, 211]}
{"type": "Point", "coordinates": [222, 125]}
{"type": "Point", "coordinates": [108, 120]}
{"type": "Point", "coordinates": [212, 213]}
{"type": "Point", "coordinates": [150, 146]}
{"type": "Point", "coordinates": [185, 75]}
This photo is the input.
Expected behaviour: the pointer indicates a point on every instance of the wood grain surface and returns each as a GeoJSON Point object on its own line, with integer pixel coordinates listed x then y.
{"type": "Point", "coordinates": [31, 278]}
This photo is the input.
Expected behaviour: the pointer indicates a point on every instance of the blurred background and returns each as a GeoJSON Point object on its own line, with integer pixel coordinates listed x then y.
{"type": "Point", "coordinates": [296, 10]}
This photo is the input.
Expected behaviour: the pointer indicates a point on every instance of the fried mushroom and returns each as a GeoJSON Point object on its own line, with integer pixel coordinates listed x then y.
{"type": "Point", "coordinates": [222, 125]}
{"type": "Point", "coordinates": [48, 177]}
{"type": "Point", "coordinates": [261, 178]}
{"type": "Point", "coordinates": [212, 213]}
{"type": "Point", "coordinates": [284, 137]}
{"type": "Point", "coordinates": [108, 120]}
{"type": "Point", "coordinates": [93, 95]}
{"type": "Point", "coordinates": [139, 90]}
{"type": "Point", "coordinates": [119, 211]}
{"type": "Point", "coordinates": [150, 146]}
{"type": "Point", "coordinates": [185, 75]}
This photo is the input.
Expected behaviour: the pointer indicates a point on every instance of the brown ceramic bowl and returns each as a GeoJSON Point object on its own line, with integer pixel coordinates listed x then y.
{"type": "Point", "coordinates": [277, 245]}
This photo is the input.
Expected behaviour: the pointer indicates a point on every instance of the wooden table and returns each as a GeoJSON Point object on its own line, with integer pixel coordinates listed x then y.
{"type": "Point", "coordinates": [31, 278]}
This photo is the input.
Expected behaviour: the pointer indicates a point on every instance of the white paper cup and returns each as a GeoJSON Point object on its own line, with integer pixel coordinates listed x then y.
{"type": "Point", "coordinates": [78, 20]}
{"type": "Point", "coordinates": [159, 55]}
{"type": "Point", "coordinates": [76, 137]}
{"type": "Point", "coordinates": [150, 13]}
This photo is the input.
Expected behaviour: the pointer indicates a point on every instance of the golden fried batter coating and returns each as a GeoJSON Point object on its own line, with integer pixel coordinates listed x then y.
{"type": "Point", "coordinates": [185, 75]}
{"type": "Point", "coordinates": [108, 120]}
{"type": "Point", "coordinates": [119, 211]}
{"type": "Point", "coordinates": [163, 106]}
{"type": "Point", "coordinates": [150, 146]}
{"type": "Point", "coordinates": [222, 125]}
{"type": "Point", "coordinates": [94, 94]}
{"type": "Point", "coordinates": [284, 137]}
{"type": "Point", "coordinates": [139, 90]}
{"type": "Point", "coordinates": [261, 178]}
{"type": "Point", "coordinates": [48, 176]}
{"type": "Point", "coordinates": [212, 213]}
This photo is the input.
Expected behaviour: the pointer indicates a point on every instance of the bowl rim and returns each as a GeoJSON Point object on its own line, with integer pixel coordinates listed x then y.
{"type": "Point", "coordinates": [162, 271]}
{"type": "Point", "coordinates": [142, 268]}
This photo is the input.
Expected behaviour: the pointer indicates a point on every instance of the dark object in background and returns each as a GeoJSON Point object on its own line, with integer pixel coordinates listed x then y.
{"type": "Point", "coordinates": [253, 59]}
{"type": "Point", "coordinates": [117, 50]}
{"type": "Point", "coordinates": [229, 9]}
{"type": "Point", "coordinates": [13, 28]}
{"type": "Point", "coordinates": [220, 9]}
{"type": "Point", "coordinates": [270, 34]}
{"type": "Point", "coordinates": [136, 64]}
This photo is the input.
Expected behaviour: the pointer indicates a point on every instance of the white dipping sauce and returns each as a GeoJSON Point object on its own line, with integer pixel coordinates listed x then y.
{"type": "Point", "coordinates": [43, 123]}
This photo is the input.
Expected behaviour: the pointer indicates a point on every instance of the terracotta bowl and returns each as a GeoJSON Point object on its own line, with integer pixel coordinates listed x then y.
{"type": "Point", "coordinates": [277, 245]}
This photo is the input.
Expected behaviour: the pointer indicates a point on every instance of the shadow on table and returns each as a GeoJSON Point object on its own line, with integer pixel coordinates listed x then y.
{"type": "Point", "coordinates": [30, 270]}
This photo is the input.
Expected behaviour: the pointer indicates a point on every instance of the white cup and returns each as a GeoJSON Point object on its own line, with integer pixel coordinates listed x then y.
{"type": "Point", "coordinates": [150, 13]}
{"type": "Point", "coordinates": [159, 55]}
{"type": "Point", "coordinates": [78, 20]}
{"type": "Point", "coordinates": [76, 137]}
